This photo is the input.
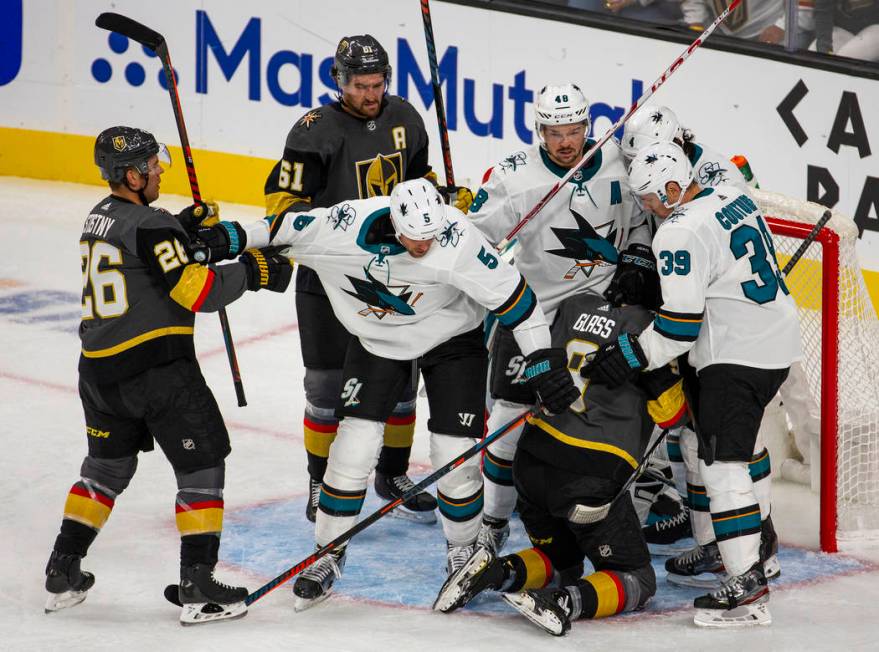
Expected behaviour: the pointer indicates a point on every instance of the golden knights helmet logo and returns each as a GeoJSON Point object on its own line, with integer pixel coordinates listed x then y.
{"type": "Point", "coordinates": [377, 177]}
{"type": "Point", "coordinates": [119, 143]}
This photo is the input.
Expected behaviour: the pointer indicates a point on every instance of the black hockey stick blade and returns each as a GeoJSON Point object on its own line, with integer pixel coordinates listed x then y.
{"type": "Point", "coordinates": [808, 240]}
{"type": "Point", "coordinates": [130, 28]}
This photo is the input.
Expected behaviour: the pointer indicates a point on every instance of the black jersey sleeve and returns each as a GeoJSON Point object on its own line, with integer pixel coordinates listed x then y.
{"type": "Point", "coordinates": [164, 247]}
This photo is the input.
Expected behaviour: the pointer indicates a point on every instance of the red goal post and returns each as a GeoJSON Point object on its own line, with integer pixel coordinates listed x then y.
{"type": "Point", "coordinates": [840, 334]}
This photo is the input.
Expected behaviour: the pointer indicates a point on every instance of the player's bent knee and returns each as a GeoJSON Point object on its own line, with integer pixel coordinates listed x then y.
{"type": "Point", "coordinates": [209, 480]}
{"type": "Point", "coordinates": [115, 474]}
{"type": "Point", "coordinates": [464, 480]}
{"type": "Point", "coordinates": [355, 452]}
{"type": "Point", "coordinates": [322, 388]}
{"type": "Point", "coordinates": [640, 586]}
{"type": "Point", "coordinates": [726, 477]}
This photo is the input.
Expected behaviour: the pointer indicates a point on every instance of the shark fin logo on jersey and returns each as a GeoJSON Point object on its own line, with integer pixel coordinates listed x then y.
{"type": "Point", "coordinates": [711, 174]}
{"type": "Point", "coordinates": [341, 217]}
{"type": "Point", "coordinates": [584, 246]}
{"type": "Point", "coordinates": [514, 162]}
{"type": "Point", "coordinates": [376, 177]}
{"type": "Point", "coordinates": [450, 236]}
{"type": "Point", "coordinates": [380, 299]}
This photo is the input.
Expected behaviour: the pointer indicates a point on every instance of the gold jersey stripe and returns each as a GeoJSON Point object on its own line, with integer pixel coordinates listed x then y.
{"type": "Point", "coordinates": [86, 511]}
{"type": "Point", "coordinates": [190, 285]}
{"type": "Point", "coordinates": [278, 202]}
{"type": "Point", "coordinates": [200, 521]}
{"type": "Point", "coordinates": [582, 443]}
{"type": "Point", "coordinates": [140, 339]}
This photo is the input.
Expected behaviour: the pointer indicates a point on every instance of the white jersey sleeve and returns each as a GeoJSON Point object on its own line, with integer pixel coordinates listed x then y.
{"type": "Point", "coordinates": [711, 168]}
{"type": "Point", "coordinates": [297, 231]}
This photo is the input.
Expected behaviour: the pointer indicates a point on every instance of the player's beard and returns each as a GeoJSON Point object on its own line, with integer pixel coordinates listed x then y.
{"type": "Point", "coordinates": [363, 108]}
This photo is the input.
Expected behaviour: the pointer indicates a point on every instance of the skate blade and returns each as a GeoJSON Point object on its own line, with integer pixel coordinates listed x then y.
{"type": "Point", "coordinates": [670, 549]}
{"type": "Point", "coordinates": [703, 581]}
{"type": "Point", "coordinates": [303, 604]}
{"type": "Point", "coordinates": [543, 618]}
{"type": "Point", "coordinates": [745, 616]}
{"type": "Point", "coordinates": [58, 601]}
{"type": "Point", "coordinates": [199, 613]}
{"type": "Point", "coordinates": [452, 596]}
{"type": "Point", "coordinates": [425, 518]}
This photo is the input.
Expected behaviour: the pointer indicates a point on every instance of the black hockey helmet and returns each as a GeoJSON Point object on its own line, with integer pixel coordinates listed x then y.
{"type": "Point", "coordinates": [360, 55]}
{"type": "Point", "coordinates": [120, 148]}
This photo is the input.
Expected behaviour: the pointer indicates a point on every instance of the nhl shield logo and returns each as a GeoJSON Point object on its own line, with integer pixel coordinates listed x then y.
{"type": "Point", "coordinates": [119, 143]}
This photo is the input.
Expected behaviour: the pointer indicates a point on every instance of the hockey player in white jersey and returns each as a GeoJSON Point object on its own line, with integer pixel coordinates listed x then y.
{"type": "Point", "coordinates": [571, 247]}
{"type": "Point", "coordinates": [411, 280]}
{"type": "Point", "coordinates": [759, 20]}
{"type": "Point", "coordinates": [701, 566]}
{"type": "Point", "coordinates": [725, 303]}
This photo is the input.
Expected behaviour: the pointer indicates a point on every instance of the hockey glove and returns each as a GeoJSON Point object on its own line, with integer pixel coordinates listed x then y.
{"type": "Point", "coordinates": [199, 214]}
{"type": "Point", "coordinates": [615, 363]}
{"type": "Point", "coordinates": [266, 268]}
{"type": "Point", "coordinates": [458, 196]}
{"type": "Point", "coordinates": [546, 371]}
{"type": "Point", "coordinates": [635, 281]}
{"type": "Point", "coordinates": [221, 242]}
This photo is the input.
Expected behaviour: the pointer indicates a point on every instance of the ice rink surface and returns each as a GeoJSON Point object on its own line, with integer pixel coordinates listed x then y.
{"type": "Point", "coordinates": [821, 602]}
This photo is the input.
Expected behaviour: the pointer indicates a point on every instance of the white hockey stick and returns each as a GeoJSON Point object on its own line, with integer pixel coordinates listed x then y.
{"type": "Point", "coordinates": [505, 244]}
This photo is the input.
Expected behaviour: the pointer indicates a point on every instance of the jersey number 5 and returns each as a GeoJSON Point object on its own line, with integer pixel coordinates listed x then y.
{"type": "Point", "coordinates": [103, 290]}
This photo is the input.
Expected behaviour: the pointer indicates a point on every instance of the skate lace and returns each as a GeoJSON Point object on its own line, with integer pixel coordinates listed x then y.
{"type": "Point", "coordinates": [221, 585]}
{"type": "Point", "coordinates": [322, 569]}
{"type": "Point", "coordinates": [403, 483]}
{"type": "Point", "coordinates": [731, 587]}
{"type": "Point", "coordinates": [675, 521]}
{"type": "Point", "coordinates": [457, 556]}
{"type": "Point", "coordinates": [692, 555]}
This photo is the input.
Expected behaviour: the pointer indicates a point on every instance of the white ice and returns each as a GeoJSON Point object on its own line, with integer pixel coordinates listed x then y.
{"type": "Point", "coordinates": [136, 553]}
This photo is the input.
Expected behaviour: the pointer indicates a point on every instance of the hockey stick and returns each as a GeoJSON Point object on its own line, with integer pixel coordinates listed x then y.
{"type": "Point", "coordinates": [809, 239]}
{"type": "Point", "coordinates": [385, 509]}
{"type": "Point", "coordinates": [156, 42]}
{"type": "Point", "coordinates": [505, 244]}
{"type": "Point", "coordinates": [438, 96]}
{"type": "Point", "coordinates": [585, 514]}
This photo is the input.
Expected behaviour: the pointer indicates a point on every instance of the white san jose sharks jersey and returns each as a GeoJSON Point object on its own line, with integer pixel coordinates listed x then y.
{"type": "Point", "coordinates": [572, 245]}
{"type": "Point", "coordinates": [400, 306]}
{"type": "Point", "coordinates": [724, 298]}
{"type": "Point", "coordinates": [710, 168]}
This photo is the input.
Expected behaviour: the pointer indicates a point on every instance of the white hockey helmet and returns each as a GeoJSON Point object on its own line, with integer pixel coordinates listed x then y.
{"type": "Point", "coordinates": [656, 165]}
{"type": "Point", "coordinates": [648, 125]}
{"type": "Point", "coordinates": [417, 210]}
{"type": "Point", "coordinates": [560, 105]}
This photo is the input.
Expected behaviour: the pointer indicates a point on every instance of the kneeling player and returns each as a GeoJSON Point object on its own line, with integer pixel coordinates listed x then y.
{"type": "Point", "coordinates": [565, 466]}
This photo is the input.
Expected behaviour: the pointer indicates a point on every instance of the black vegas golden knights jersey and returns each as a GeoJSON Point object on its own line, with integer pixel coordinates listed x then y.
{"type": "Point", "coordinates": [140, 292]}
{"type": "Point", "coordinates": [331, 156]}
{"type": "Point", "coordinates": [605, 432]}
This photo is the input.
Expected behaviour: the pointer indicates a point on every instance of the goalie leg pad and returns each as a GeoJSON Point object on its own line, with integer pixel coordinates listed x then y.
{"type": "Point", "coordinates": [459, 493]}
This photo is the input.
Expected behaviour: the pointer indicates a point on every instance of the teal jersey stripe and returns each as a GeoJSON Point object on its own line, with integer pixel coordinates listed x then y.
{"type": "Point", "coordinates": [457, 512]}
{"type": "Point", "coordinates": [677, 330]}
{"type": "Point", "coordinates": [737, 525]}
{"type": "Point", "coordinates": [523, 306]}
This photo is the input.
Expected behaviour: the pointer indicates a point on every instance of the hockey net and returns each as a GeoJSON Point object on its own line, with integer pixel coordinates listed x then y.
{"type": "Point", "coordinates": [840, 334]}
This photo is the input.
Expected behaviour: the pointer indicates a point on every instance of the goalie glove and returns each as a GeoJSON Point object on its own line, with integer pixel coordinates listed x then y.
{"type": "Point", "coordinates": [267, 268]}
{"type": "Point", "coordinates": [635, 281]}
{"type": "Point", "coordinates": [221, 242]}
{"type": "Point", "coordinates": [546, 371]}
{"type": "Point", "coordinates": [615, 363]}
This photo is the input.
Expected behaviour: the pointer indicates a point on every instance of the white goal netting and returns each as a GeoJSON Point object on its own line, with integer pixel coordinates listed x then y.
{"type": "Point", "coordinates": [846, 385]}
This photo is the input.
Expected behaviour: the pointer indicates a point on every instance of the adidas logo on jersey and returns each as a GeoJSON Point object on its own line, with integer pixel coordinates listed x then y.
{"type": "Point", "coordinates": [605, 307]}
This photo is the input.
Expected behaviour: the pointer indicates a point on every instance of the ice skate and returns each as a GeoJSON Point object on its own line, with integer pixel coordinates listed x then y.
{"type": "Point", "coordinates": [701, 567]}
{"type": "Point", "coordinates": [420, 508]}
{"type": "Point", "coordinates": [315, 584]}
{"type": "Point", "coordinates": [742, 601]}
{"type": "Point", "coordinates": [493, 534]}
{"type": "Point", "coordinates": [483, 570]}
{"type": "Point", "coordinates": [668, 531]}
{"type": "Point", "coordinates": [66, 583]}
{"type": "Point", "coordinates": [204, 599]}
{"type": "Point", "coordinates": [549, 609]}
{"type": "Point", "coordinates": [313, 499]}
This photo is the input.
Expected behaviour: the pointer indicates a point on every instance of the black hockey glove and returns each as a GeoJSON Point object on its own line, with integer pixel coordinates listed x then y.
{"type": "Point", "coordinates": [223, 241]}
{"type": "Point", "coordinates": [635, 281]}
{"type": "Point", "coordinates": [546, 371]}
{"type": "Point", "coordinates": [199, 214]}
{"type": "Point", "coordinates": [615, 363]}
{"type": "Point", "coordinates": [266, 268]}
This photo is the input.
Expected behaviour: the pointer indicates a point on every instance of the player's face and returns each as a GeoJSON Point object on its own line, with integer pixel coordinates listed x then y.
{"type": "Point", "coordinates": [153, 179]}
{"type": "Point", "coordinates": [655, 205]}
{"type": "Point", "coordinates": [363, 94]}
{"type": "Point", "coordinates": [564, 143]}
{"type": "Point", "coordinates": [416, 248]}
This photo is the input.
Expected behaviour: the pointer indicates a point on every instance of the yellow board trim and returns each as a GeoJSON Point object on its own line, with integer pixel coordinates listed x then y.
{"type": "Point", "coordinates": [86, 511]}
{"type": "Point", "coordinates": [581, 443]}
{"type": "Point", "coordinates": [140, 339]}
{"type": "Point", "coordinates": [200, 521]}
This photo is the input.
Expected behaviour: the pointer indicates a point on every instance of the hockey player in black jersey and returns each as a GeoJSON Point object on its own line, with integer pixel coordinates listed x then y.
{"type": "Point", "coordinates": [357, 147]}
{"type": "Point", "coordinates": [567, 463]}
{"type": "Point", "coordinates": [139, 380]}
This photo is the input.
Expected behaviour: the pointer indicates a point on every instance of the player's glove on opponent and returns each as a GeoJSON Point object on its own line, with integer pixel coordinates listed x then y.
{"type": "Point", "coordinates": [223, 241]}
{"type": "Point", "coordinates": [635, 281]}
{"type": "Point", "coordinates": [458, 196]}
{"type": "Point", "coordinates": [546, 371]}
{"type": "Point", "coordinates": [615, 363]}
{"type": "Point", "coordinates": [201, 214]}
{"type": "Point", "coordinates": [266, 268]}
